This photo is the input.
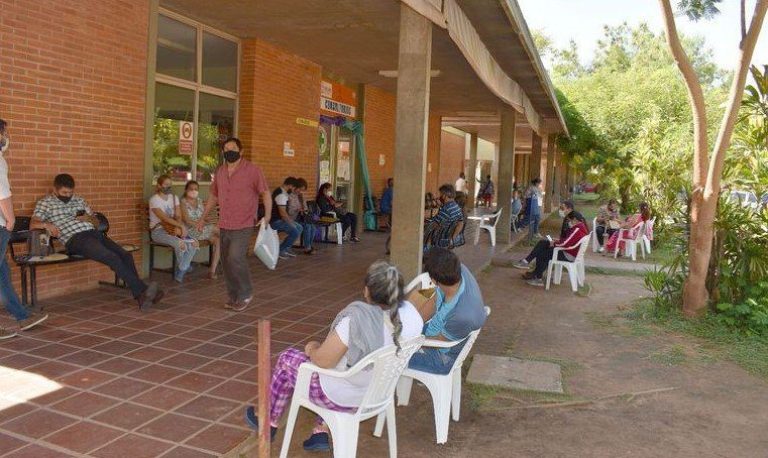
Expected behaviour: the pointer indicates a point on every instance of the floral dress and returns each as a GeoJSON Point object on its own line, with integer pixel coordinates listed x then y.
{"type": "Point", "coordinates": [194, 213]}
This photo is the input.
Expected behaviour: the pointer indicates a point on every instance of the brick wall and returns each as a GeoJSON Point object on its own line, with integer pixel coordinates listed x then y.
{"type": "Point", "coordinates": [452, 151]}
{"type": "Point", "coordinates": [275, 89]}
{"type": "Point", "coordinates": [72, 87]}
{"type": "Point", "coordinates": [379, 125]}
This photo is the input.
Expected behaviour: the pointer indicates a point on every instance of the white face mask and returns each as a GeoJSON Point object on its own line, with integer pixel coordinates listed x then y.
{"type": "Point", "coordinates": [6, 143]}
{"type": "Point", "coordinates": [328, 193]}
{"type": "Point", "coordinates": [193, 194]}
{"type": "Point", "coordinates": [561, 212]}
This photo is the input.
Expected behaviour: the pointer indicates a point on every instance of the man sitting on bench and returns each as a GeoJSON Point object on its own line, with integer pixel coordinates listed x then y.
{"type": "Point", "coordinates": [69, 218]}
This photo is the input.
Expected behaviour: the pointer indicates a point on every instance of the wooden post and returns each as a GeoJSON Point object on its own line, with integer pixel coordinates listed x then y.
{"type": "Point", "coordinates": [265, 378]}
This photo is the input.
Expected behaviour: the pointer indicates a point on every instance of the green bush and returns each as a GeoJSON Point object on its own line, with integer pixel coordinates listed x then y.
{"type": "Point", "coordinates": [751, 314]}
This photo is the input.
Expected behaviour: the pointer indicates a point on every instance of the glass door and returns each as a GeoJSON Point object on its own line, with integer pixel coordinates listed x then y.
{"type": "Point", "coordinates": [336, 147]}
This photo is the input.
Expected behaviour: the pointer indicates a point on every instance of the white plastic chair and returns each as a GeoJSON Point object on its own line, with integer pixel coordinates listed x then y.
{"type": "Point", "coordinates": [422, 281]}
{"type": "Point", "coordinates": [595, 245]}
{"type": "Point", "coordinates": [386, 365]}
{"type": "Point", "coordinates": [485, 223]}
{"type": "Point", "coordinates": [632, 238]}
{"type": "Point", "coordinates": [576, 270]}
{"type": "Point", "coordinates": [648, 234]}
{"type": "Point", "coordinates": [445, 389]}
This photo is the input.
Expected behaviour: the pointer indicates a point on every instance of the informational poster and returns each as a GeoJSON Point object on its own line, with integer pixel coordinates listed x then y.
{"type": "Point", "coordinates": [186, 146]}
{"type": "Point", "coordinates": [382, 159]}
{"type": "Point", "coordinates": [325, 172]}
{"type": "Point", "coordinates": [287, 150]}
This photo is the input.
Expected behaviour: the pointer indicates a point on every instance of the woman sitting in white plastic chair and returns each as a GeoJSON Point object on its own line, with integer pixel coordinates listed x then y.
{"type": "Point", "coordinates": [360, 329]}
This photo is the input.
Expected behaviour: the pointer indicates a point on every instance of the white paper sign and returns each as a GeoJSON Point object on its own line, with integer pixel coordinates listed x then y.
{"type": "Point", "coordinates": [287, 150]}
{"type": "Point", "coordinates": [186, 128]}
{"type": "Point", "coordinates": [382, 159]}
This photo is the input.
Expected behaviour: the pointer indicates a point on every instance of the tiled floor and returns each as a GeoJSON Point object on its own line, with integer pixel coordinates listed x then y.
{"type": "Point", "coordinates": [102, 379]}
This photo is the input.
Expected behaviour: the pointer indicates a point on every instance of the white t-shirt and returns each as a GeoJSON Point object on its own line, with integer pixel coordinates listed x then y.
{"type": "Point", "coordinates": [167, 204]}
{"type": "Point", "coordinates": [5, 188]}
{"type": "Point", "coordinates": [349, 392]}
{"type": "Point", "coordinates": [461, 185]}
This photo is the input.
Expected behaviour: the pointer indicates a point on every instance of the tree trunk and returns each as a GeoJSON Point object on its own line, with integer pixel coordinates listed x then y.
{"type": "Point", "coordinates": [707, 173]}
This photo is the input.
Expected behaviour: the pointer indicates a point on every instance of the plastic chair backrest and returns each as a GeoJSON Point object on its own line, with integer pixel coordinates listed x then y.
{"type": "Point", "coordinates": [495, 217]}
{"type": "Point", "coordinates": [649, 228]}
{"type": "Point", "coordinates": [471, 338]}
{"type": "Point", "coordinates": [583, 244]}
{"type": "Point", "coordinates": [422, 281]}
{"type": "Point", "coordinates": [387, 364]}
{"type": "Point", "coordinates": [638, 230]}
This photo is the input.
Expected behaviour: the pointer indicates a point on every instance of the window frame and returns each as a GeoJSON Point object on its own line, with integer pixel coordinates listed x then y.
{"type": "Point", "coordinates": [197, 86]}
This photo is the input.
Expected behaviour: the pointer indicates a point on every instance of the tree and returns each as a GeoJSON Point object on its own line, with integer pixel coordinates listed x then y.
{"type": "Point", "coordinates": [707, 169]}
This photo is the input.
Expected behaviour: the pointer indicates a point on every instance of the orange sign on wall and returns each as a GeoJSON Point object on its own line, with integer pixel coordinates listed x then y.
{"type": "Point", "coordinates": [337, 99]}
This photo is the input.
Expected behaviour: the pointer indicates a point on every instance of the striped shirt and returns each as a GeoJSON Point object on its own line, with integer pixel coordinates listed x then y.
{"type": "Point", "coordinates": [50, 209]}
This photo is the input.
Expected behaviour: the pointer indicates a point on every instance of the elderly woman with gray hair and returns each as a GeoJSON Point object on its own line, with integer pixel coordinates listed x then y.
{"type": "Point", "coordinates": [384, 318]}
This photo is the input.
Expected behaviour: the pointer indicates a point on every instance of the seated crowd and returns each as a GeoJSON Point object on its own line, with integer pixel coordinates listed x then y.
{"type": "Point", "coordinates": [386, 316]}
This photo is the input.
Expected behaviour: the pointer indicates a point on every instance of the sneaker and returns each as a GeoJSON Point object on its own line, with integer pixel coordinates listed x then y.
{"type": "Point", "coordinates": [290, 254]}
{"type": "Point", "coordinates": [7, 334]}
{"type": "Point", "coordinates": [33, 320]}
{"type": "Point", "coordinates": [239, 306]}
{"type": "Point", "coordinates": [150, 296]}
{"type": "Point", "coordinates": [283, 255]}
{"type": "Point", "coordinates": [521, 264]}
{"type": "Point", "coordinates": [253, 421]}
{"type": "Point", "coordinates": [601, 249]}
{"type": "Point", "coordinates": [355, 240]}
{"type": "Point", "coordinates": [536, 282]}
{"type": "Point", "coordinates": [318, 442]}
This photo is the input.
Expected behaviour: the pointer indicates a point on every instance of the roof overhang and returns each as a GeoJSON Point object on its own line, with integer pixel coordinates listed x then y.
{"type": "Point", "coordinates": [356, 41]}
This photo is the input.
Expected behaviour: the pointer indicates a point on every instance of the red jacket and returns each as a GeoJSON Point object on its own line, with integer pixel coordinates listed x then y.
{"type": "Point", "coordinates": [575, 234]}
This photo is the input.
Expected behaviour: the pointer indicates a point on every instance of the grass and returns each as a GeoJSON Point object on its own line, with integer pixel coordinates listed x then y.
{"type": "Point", "coordinates": [586, 197]}
{"type": "Point", "coordinates": [672, 356]}
{"type": "Point", "coordinates": [718, 341]}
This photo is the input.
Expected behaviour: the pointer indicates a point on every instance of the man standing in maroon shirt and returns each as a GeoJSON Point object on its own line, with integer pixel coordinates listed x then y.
{"type": "Point", "coordinates": [236, 188]}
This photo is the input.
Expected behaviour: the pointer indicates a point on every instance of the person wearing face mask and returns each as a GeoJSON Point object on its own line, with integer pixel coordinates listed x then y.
{"type": "Point", "coordinates": [542, 254]}
{"type": "Point", "coordinates": [449, 213]}
{"type": "Point", "coordinates": [328, 206]}
{"type": "Point", "coordinates": [282, 221]}
{"type": "Point", "coordinates": [167, 227]}
{"type": "Point", "coordinates": [566, 208]}
{"type": "Point", "coordinates": [299, 212]}
{"type": "Point", "coordinates": [607, 222]}
{"type": "Point", "coordinates": [237, 186]}
{"type": "Point", "coordinates": [69, 218]}
{"type": "Point", "coordinates": [534, 196]}
{"type": "Point", "coordinates": [25, 318]}
{"type": "Point", "coordinates": [191, 210]}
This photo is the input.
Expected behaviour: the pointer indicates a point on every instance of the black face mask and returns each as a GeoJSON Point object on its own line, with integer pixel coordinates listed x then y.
{"type": "Point", "coordinates": [231, 155]}
{"type": "Point", "coordinates": [65, 199]}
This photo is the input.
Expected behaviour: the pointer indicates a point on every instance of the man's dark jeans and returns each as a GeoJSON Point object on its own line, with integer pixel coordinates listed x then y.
{"type": "Point", "coordinates": [96, 246]}
{"type": "Point", "coordinates": [234, 248]}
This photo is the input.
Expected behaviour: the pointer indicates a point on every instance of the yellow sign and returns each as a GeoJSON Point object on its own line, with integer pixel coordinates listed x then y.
{"type": "Point", "coordinates": [306, 122]}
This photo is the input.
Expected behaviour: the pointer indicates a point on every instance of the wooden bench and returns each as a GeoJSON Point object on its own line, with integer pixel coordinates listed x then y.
{"type": "Point", "coordinates": [28, 264]}
{"type": "Point", "coordinates": [153, 245]}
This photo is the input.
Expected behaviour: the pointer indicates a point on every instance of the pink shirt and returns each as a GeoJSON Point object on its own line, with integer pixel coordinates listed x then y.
{"type": "Point", "coordinates": [238, 194]}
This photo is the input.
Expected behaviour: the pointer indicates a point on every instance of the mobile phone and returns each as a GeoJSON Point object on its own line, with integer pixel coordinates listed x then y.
{"type": "Point", "coordinates": [549, 238]}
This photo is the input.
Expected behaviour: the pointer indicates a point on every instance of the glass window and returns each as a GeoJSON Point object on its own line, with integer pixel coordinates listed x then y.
{"type": "Point", "coordinates": [172, 106]}
{"type": "Point", "coordinates": [219, 62]}
{"type": "Point", "coordinates": [176, 49]}
{"type": "Point", "coordinates": [216, 124]}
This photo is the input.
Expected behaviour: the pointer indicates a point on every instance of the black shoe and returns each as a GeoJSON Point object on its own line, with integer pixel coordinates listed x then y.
{"type": "Point", "coordinates": [151, 296]}
{"type": "Point", "coordinates": [253, 421]}
{"type": "Point", "coordinates": [318, 442]}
